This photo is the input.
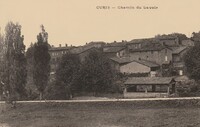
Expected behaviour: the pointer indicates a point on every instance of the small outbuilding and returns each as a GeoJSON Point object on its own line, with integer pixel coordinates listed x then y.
{"type": "Point", "coordinates": [141, 87]}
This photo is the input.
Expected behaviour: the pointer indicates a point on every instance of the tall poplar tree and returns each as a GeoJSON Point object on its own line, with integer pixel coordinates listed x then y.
{"type": "Point", "coordinates": [15, 70]}
{"type": "Point", "coordinates": [2, 55]}
{"type": "Point", "coordinates": [41, 62]}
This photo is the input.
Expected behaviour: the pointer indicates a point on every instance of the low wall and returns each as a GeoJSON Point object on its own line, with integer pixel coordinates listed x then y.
{"type": "Point", "coordinates": [143, 95]}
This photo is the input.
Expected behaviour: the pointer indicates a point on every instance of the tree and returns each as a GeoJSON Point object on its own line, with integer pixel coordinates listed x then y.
{"type": "Point", "coordinates": [2, 62]}
{"type": "Point", "coordinates": [196, 36]}
{"type": "Point", "coordinates": [41, 62]}
{"type": "Point", "coordinates": [67, 70]}
{"type": "Point", "coordinates": [180, 36]}
{"type": "Point", "coordinates": [95, 75]}
{"type": "Point", "coordinates": [192, 62]}
{"type": "Point", "coordinates": [31, 88]}
{"type": "Point", "coordinates": [15, 72]}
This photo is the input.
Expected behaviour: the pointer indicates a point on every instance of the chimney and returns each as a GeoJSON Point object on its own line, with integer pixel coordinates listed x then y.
{"type": "Point", "coordinates": [52, 46]}
{"type": "Point", "coordinates": [59, 45]}
{"type": "Point", "coordinates": [66, 45]}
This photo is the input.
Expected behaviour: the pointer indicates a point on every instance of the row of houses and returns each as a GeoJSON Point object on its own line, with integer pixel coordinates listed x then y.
{"type": "Point", "coordinates": [151, 56]}
{"type": "Point", "coordinates": [136, 56]}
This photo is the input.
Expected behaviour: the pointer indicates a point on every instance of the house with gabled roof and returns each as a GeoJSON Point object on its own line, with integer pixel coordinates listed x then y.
{"type": "Point", "coordinates": [83, 52]}
{"type": "Point", "coordinates": [177, 58]}
{"type": "Point", "coordinates": [154, 52]}
{"type": "Point", "coordinates": [139, 43]}
{"type": "Point", "coordinates": [127, 66]}
{"type": "Point", "coordinates": [169, 40]}
{"type": "Point", "coordinates": [140, 87]}
{"type": "Point", "coordinates": [115, 51]}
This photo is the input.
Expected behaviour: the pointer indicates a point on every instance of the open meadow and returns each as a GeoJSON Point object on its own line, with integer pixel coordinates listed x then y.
{"type": "Point", "coordinates": [170, 113]}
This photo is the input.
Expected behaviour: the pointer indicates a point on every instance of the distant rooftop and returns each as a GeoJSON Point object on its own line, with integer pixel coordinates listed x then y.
{"type": "Point", "coordinates": [122, 60]}
{"type": "Point", "coordinates": [177, 50]}
{"type": "Point", "coordinates": [148, 80]}
{"type": "Point", "coordinates": [125, 60]}
{"type": "Point", "coordinates": [141, 40]}
{"type": "Point", "coordinates": [116, 44]}
{"type": "Point", "coordinates": [150, 47]}
{"type": "Point", "coordinates": [60, 48]}
{"type": "Point", "coordinates": [112, 49]}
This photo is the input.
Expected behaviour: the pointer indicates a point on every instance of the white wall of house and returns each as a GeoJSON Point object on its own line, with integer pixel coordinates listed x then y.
{"type": "Point", "coordinates": [134, 67]}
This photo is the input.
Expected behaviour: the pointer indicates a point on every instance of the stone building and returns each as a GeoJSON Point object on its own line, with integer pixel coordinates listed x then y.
{"type": "Point", "coordinates": [127, 66]}
{"type": "Point", "coordinates": [115, 49]}
{"type": "Point", "coordinates": [153, 52]}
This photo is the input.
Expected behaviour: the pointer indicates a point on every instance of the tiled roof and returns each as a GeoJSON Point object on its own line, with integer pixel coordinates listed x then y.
{"type": "Point", "coordinates": [126, 60]}
{"type": "Point", "coordinates": [148, 80]}
{"type": "Point", "coordinates": [116, 44]}
{"type": "Point", "coordinates": [112, 49]}
{"type": "Point", "coordinates": [177, 50]}
{"type": "Point", "coordinates": [141, 40]}
{"type": "Point", "coordinates": [150, 47]}
{"type": "Point", "coordinates": [59, 48]}
{"type": "Point", "coordinates": [181, 78]}
{"type": "Point", "coordinates": [148, 63]}
{"type": "Point", "coordinates": [80, 50]}
{"type": "Point", "coordinates": [123, 60]}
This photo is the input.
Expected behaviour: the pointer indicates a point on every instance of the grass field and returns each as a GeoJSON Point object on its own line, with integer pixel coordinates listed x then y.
{"type": "Point", "coordinates": [103, 114]}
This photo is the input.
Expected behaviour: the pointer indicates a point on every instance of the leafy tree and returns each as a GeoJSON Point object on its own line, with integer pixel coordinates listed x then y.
{"type": "Point", "coordinates": [95, 74]}
{"type": "Point", "coordinates": [196, 36]}
{"type": "Point", "coordinates": [67, 70]}
{"type": "Point", "coordinates": [2, 63]}
{"type": "Point", "coordinates": [192, 62]}
{"type": "Point", "coordinates": [31, 88]}
{"type": "Point", "coordinates": [41, 62]}
{"type": "Point", "coordinates": [15, 73]}
{"type": "Point", "coordinates": [180, 36]}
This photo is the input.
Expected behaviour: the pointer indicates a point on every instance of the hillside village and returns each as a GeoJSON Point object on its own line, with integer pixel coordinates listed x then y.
{"type": "Point", "coordinates": [151, 63]}
{"type": "Point", "coordinates": [151, 66]}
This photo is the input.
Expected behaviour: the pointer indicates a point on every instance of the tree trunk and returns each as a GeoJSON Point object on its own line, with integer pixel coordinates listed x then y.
{"type": "Point", "coordinates": [41, 95]}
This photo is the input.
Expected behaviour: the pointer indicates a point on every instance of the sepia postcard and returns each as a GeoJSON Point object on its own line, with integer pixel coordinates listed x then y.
{"type": "Point", "coordinates": [99, 63]}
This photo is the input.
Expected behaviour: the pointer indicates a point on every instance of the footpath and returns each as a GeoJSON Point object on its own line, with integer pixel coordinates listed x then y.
{"type": "Point", "coordinates": [107, 100]}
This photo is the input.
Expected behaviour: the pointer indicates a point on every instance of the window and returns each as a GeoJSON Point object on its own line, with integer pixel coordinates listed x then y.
{"type": "Point", "coordinates": [166, 59]}
{"type": "Point", "coordinates": [118, 55]}
{"type": "Point", "coordinates": [180, 72]}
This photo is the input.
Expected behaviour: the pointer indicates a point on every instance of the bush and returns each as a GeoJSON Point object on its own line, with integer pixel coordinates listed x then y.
{"type": "Point", "coordinates": [57, 91]}
{"type": "Point", "coordinates": [188, 89]}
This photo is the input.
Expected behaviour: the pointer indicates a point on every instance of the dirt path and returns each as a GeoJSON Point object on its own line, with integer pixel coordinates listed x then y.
{"type": "Point", "coordinates": [110, 100]}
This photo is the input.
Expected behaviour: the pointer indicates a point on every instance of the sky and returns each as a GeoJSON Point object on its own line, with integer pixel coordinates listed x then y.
{"type": "Point", "coordinates": [76, 22]}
